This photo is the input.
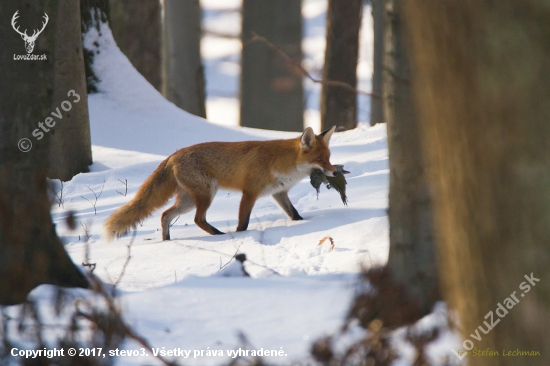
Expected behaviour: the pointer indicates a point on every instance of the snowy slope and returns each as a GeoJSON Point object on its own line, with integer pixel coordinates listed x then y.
{"type": "Point", "coordinates": [298, 290]}
{"type": "Point", "coordinates": [176, 293]}
{"type": "Point", "coordinates": [173, 292]}
{"type": "Point", "coordinates": [272, 240]}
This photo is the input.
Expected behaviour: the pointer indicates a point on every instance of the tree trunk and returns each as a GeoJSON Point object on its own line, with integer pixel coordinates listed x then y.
{"type": "Point", "coordinates": [136, 27]}
{"type": "Point", "coordinates": [93, 14]}
{"type": "Point", "coordinates": [70, 145]}
{"type": "Point", "coordinates": [339, 105]}
{"type": "Point", "coordinates": [182, 69]}
{"type": "Point", "coordinates": [30, 252]}
{"type": "Point", "coordinates": [376, 107]}
{"type": "Point", "coordinates": [272, 96]}
{"type": "Point", "coordinates": [481, 84]}
{"type": "Point", "coordinates": [412, 249]}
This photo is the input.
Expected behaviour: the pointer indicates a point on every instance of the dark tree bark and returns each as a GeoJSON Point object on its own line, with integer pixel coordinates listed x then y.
{"type": "Point", "coordinates": [339, 105]}
{"type": "Point", "coordinates": [93, 14]}
{"type": "Point", "coordinates": [71, 145]}
{"type": "Point", "coordinates": [481, 85]}
{"type": "Point", "coordinates": [30, 252]}
{"type": "Point", "coordinates": [376, 107]}
{"type": "Point", "coordinates": [412, 259]}
{"type": "Point", "coordinates": [182, 70]}
{"type": "Point", "coordinates": [271, 87]}
{"type": "Point", "coordinates": [136, 27]}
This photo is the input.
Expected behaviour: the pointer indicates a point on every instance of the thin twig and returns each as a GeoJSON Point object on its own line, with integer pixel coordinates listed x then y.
{"type": "Point", "coordinates": [59, 196]}
{"type": "Point", "coordinates": [95, 195]}
{"type": "Point", "coordinates": [262, 237]}
{"type": "Point", "coordinates": [177, 218]}
{"type": "Point", "coordinates": [229, 261]}
{"type": "Point", "coordinates": [95, 212]}
{"type": "Point", "coordinates": [341, 84]}
{"type": "Point", "coordinates": [128, 257]}
{"type": "Point", "coordinates": [86, 231]}
{"type": "Point", "coordinates": [222, 253]}
{"type": "Point", "coordinates": [218, 34]}
{"type": "Point", "coordinates": [86, 262]}
{"type": "Point", "coordinates": [125, 187]}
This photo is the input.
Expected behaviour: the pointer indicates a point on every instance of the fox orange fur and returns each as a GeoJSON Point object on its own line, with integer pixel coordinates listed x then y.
{"type": "Point", "coordinates": [194, 174]}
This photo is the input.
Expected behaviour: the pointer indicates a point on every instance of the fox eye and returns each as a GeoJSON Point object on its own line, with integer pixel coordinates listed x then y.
{"type": "Point", "coordinates": [320, 160]}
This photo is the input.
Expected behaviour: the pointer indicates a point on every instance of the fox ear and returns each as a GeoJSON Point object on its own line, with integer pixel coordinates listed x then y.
{"type": "Point", "coordinates": [327, 134]}
{"type": "Point", "coordinates": [307, 139]}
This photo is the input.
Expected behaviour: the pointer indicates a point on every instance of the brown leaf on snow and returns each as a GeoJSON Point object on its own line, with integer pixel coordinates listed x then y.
{"type": "Point", "coordinates": [325, 239]}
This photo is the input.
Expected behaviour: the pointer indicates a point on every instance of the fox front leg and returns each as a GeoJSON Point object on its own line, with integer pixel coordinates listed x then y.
{"type": "Point", "coordinates": [247, 203]}
{"type": "Point", "coordinates": [284, 202]}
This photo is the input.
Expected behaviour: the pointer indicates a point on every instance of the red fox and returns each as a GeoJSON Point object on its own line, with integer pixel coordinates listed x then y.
{"type": "Point", "coordinates": [194, 173]}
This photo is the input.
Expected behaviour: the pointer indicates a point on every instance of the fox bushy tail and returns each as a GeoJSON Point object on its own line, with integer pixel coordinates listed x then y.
{"type": "Point", "coordinates": [154, 193]}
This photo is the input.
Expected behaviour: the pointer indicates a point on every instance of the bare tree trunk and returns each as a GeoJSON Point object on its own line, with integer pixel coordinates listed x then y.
{"type": "Point", "coordinates": [412, 249]}
{"type": "Point", "coordinates": [30, 252]}
{"type": "Point", "coordinates": [70, 145]}
{"type": "Point", "coordinates": [339, 105]}
{"type": "Point", "coordinates": [481, 84]}
{"type": "Point", "coordinates": [93, 14]}
{"type": "Point", "coordinates": [182, 69]}
{"type": "Point", "coordinates": [271, 88]}
{"type": "Point", "coordinates": [376, 107]}
{"type": "Point", "coordinates": [136, 27]}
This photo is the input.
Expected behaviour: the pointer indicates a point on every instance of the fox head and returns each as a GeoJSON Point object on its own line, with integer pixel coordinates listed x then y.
{"type": "Point", "coordinates": [315, 151]}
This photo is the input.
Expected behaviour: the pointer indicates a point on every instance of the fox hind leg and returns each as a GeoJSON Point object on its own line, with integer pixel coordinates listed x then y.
{"type": "Point", "coordinates": [201, 187]}
{"type": "Point", "coordinates": [203, 203]}
{"type": "Point", "coordinates": [203, 199]}
{"type": "Point", "coordinates": [184, 204]}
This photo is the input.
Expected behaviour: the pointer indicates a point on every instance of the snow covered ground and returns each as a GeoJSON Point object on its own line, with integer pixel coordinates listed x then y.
{"type": "Point", "coordinates": [172, 291]}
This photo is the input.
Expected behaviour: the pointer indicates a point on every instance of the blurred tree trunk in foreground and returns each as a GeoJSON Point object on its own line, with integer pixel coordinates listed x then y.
{"type": "Point", "coordinates": [339, 105]}
{"type": "Point", "coordinates": [71, 144]}
{"type": "Point", "coordinates": [93, 14]}
{"type": "Point", "coordinates": [376, 107]}
{"type": "Point", "coordinates": [136, 27]}
{"type": "Point", "coordinates": [30, 252]}
{"type": "Point", "coordinates": [271, 88]}
{"type": "Point", "coordinates": [481, 86]}
{"type": "Point", "coordinates": [182, 71]}
{"type": "Point", "coordinates": [412, 249]}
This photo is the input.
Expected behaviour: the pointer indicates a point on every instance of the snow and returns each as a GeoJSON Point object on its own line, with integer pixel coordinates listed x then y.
{"type": "Point", "coordinates": [215, 309]}
{"type": "Point", "coordinates": [172, 292]}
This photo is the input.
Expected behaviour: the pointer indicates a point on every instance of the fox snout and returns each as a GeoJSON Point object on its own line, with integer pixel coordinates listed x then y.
{"type": "Point", "coordinates": [330, 173]}
{"type": "Point", "coordinates": [323, 163]}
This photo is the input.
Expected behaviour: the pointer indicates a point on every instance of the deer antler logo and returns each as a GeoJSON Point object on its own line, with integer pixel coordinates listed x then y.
{"type": "Point", "coordinates": [29, 40]}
